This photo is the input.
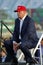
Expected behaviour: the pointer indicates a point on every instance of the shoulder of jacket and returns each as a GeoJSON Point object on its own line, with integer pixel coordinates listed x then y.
{"type": "Point", "coordinates": [16, 19]}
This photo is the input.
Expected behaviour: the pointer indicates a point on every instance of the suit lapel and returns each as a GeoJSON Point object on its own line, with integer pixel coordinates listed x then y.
{"type": "Point", "coordinates": [18, 26]}
{"type": "Point", "coordinates": [24, 25]}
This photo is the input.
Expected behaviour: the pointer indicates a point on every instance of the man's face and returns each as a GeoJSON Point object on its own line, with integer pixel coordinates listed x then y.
{"type": "Point", "coordinates": [21, 14]}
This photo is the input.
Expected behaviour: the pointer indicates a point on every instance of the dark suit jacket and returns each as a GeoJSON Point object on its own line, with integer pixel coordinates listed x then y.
{"type": "Point", "coordinates": [28, 32]}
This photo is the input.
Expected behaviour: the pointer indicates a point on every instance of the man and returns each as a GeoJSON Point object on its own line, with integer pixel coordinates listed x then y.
{"type": "Point", "coordinates": [24, 35]}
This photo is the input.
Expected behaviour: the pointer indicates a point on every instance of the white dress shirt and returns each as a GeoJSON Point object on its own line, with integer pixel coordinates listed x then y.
{"type": "Point", "coordinates": [21, 23]}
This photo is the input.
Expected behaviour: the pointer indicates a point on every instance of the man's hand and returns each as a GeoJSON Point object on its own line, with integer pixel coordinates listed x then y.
{"type": "Point", "coordinates": [15, 46]}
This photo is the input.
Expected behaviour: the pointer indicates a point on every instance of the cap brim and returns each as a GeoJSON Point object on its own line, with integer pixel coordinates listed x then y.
{"type": "Point", "coordinates": [15, 11]}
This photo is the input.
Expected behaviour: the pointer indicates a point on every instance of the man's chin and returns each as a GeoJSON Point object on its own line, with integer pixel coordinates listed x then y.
{"type": "Point", "coordinates": [19, 17]}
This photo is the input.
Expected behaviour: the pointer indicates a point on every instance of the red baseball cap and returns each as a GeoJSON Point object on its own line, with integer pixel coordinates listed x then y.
{"type": "Point", "coordinates": [20, 8]}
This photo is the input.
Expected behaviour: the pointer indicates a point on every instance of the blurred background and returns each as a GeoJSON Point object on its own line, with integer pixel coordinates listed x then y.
{"type": "Point", "coordinates": [7, 16]}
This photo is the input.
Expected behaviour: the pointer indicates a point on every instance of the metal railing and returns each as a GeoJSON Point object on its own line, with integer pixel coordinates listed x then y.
{"type": "Point", "coordinates": [1, 28]}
